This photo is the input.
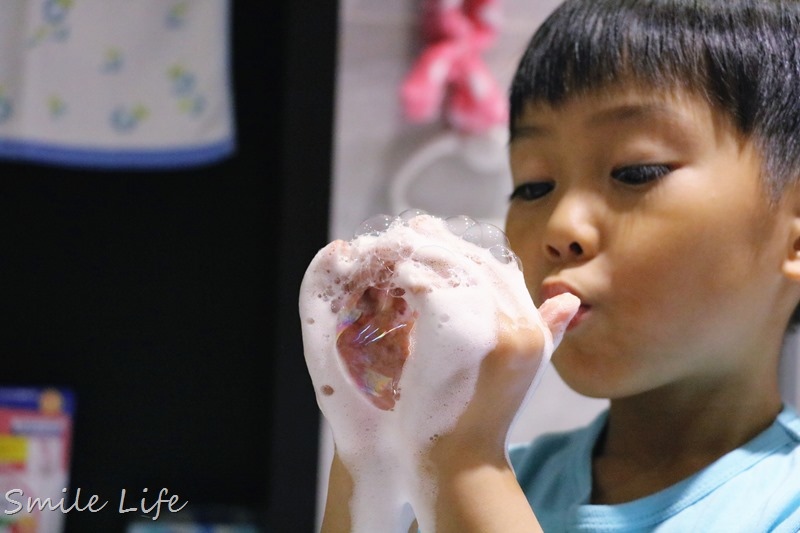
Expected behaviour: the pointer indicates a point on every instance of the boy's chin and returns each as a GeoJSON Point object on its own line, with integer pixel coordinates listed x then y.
{"type": "Point", "coordinates": [585, 378]}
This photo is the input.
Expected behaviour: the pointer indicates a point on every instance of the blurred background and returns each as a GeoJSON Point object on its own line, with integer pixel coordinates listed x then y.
{"type": "Point", "coordinates": [166, 299]}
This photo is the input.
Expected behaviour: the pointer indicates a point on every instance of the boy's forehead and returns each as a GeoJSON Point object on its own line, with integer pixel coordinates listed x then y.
{"type": "Point", "coordinates": [681, 118]}
{"type": "Point", "coordinates": [619, 104]}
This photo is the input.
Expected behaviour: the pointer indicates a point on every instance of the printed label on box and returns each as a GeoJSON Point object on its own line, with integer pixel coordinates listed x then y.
{"type": "Point", "coordinates": [35, 448]}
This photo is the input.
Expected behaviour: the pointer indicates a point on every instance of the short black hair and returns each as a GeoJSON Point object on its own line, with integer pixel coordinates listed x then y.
{"type": "Point", "coordinates": [743, 56]}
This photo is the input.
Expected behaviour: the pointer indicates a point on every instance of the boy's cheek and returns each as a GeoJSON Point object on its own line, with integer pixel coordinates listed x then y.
{"type": "Point", "coordinates": [534, 275]}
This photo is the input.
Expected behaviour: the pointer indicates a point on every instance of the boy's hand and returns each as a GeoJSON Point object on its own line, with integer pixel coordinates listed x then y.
{"type": "Point", "coordinates": [506, 378]}
{"type": "Point", "coordinates": [422, 349]}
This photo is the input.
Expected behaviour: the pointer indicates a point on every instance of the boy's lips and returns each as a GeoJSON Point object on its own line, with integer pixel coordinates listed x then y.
{"type": "Point", "coordinates": [554, 288]}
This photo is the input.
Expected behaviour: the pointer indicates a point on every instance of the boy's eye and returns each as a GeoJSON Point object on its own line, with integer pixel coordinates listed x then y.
{"type": "Point", "coordinates": [532, 190]}
{"type": "Point", "coordinates": [639, 174]}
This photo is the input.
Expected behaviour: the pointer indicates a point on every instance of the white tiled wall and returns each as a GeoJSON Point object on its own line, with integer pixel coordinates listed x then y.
{"type": "Point", "coordinates": [790, 369]}
{"type": "Point", "coordinates": [378, 43]}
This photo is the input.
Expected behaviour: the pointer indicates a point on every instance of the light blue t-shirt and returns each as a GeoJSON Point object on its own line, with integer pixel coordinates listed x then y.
{"type": "Point", "coordinates": [753, 489]}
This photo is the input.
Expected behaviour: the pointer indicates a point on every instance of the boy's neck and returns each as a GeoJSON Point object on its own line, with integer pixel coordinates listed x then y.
{"type": "Point", "coordinates": [657, 439]}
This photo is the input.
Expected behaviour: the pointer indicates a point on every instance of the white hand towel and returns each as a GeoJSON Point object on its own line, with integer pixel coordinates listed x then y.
{"type": "Point", "coordinates": [116, 83]}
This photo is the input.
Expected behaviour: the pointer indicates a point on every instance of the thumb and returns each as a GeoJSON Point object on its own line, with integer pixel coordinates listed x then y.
{"type": "Point", "coordinates": [557, 312]}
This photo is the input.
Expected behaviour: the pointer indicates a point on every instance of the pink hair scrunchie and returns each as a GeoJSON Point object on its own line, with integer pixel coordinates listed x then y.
{"type": "Point", "coordinates": [450, 77]}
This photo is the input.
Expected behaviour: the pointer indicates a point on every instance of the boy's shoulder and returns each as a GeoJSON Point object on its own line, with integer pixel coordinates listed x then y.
{"type": "Point", "coordinates": [757, 486]}
{"type": "Point", "coordinates": [753, 488]}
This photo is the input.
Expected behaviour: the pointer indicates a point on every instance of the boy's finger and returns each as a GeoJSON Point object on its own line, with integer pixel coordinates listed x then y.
{"type": "Point", "coordinates": [557, 312]}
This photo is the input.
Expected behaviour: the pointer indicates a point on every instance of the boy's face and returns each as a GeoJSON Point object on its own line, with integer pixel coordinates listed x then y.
{"type": "Point", "coordinates": [650, 209]}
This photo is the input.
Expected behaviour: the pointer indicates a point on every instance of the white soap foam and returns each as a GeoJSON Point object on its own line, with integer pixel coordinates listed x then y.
{"type": "Point", "coordinates": [446, 282]}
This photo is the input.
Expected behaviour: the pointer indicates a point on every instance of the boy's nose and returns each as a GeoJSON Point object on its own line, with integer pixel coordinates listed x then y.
{"type": "Point", "coordinates": [574, 250]}
{"type": "Point", "coordinates": [571, 235]}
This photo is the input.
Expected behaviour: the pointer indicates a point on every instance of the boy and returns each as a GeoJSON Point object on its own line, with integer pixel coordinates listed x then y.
{"type": "Point", "coordinates": [655, 151]}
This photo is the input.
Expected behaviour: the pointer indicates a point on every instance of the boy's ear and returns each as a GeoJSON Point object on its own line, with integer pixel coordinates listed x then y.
{"type": "Point", "coordinates": [791, 263]}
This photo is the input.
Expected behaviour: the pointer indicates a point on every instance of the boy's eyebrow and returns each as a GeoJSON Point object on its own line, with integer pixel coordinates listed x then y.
{"type": "Point", "coordinates": [528, 131]}
{"type": "Point", "coordinates": [623, 113]}
{"type": "Point", "coordinates": [632, 112]}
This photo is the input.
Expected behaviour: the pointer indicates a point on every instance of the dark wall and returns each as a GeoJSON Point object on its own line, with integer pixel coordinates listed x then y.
{"type": "Point", "coordinates": [167, 301]}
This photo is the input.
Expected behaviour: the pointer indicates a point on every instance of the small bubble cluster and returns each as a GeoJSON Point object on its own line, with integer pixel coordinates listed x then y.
{"type": "Point", "coordinates": [481, 234]}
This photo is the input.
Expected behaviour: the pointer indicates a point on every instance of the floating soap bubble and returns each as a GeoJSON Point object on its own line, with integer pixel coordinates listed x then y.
{"type": "Point", "coordinates": [408, 214]}
{"type": "Point", "coordinates": [485, 235]}
{"type": "Point", "coordinates": [374, 225]}
{"type": "Point", "coordinates": [459, 224]}
{"type": "Point", "coordinates": [505, 255]}
{"type": "Point", "coordinates": [373, 342]}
